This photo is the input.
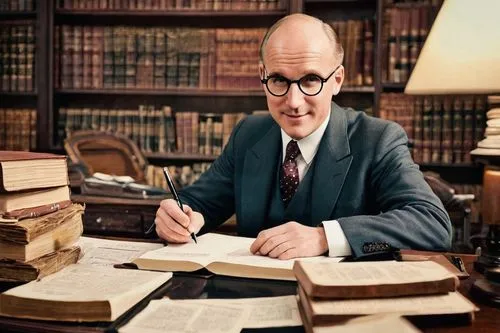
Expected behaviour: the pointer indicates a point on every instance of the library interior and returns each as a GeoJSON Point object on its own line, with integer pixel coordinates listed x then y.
{"type": "Point", "coordinates": [161, 172]}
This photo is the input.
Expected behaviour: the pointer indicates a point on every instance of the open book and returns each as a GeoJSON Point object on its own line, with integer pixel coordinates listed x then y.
{"type": "Point", "coordinates": [220, 254]}
{"type": "Point", "coordinates": [81, 293]}
{"type": "Point", "coordinates": [374, 279]}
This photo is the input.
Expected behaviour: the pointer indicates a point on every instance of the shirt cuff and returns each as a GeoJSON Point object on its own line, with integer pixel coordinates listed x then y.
{"type": "Point", "coordinates": [338, 246]}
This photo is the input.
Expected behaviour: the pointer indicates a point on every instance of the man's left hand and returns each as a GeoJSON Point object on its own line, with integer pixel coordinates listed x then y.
{"type": "Point", "coordinates": [290, 240]}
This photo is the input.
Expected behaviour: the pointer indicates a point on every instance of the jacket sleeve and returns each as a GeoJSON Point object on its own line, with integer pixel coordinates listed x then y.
{"type": "Point", "coordinates": [411, 215]}
{"type": "Point", "coordinates": [212, 194]}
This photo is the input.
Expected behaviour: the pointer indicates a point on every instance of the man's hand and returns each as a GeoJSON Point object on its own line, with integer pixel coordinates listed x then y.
{"type": "Point", "coordinates": [290, 240]}
{"type": "Point", "coordinates": [175, 226]}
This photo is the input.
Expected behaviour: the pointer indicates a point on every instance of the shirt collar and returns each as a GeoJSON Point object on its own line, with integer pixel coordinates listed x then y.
{"type": "Point", "coordinates": [309, 145]}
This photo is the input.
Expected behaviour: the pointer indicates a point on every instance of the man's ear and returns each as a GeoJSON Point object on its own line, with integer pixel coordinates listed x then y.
{"type": "Point", "coordinates": [339, 79]}
{"type": "Point", "coordinates": [261, 70]}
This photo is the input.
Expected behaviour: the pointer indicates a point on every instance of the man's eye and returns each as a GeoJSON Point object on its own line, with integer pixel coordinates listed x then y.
{"type": "Point", "coordinates": [311, 79]}
{"type": "Point", "coordinates": [278, 79]}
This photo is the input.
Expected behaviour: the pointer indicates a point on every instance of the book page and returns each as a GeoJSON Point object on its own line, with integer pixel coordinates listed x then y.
{"type": "Point", "coordinates": [79, 283]}
{"type": "Point", "coordinates": [280, 311]}
{"type": "Point", "coordinates": [222, 248]}
{"type": "Point", "coordinates": [373, 273]}
{"type": "Point", "coordinates": [371, 324]}
{"type": "Point", "coordinates": [420, 305]}
{"type": "Point", "coordinates": [105, 252]}
{"type": "Point", "coordinates": [186, 317]}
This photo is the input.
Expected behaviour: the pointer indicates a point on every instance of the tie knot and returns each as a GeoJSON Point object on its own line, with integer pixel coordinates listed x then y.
{"type": "Point", "coordinates": [292, 150]}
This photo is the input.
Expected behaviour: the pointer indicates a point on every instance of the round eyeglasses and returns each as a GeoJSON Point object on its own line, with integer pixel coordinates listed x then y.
{"type": "Point", "coordinates": [310, 84]}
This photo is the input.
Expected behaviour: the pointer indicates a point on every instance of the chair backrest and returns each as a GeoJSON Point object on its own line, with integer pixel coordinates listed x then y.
{"type": "Point", "coordinates": [106, 152]}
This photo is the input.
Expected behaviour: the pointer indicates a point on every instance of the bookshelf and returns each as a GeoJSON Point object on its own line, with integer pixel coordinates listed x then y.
{"type": "Point", "coordinates": [19, 102]}
{"type": "Point", "coordinates": [49, 96]}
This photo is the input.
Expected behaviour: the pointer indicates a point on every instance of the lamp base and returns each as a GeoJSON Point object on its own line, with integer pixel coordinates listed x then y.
{"type": "Point", "coordinates": [488, 290]}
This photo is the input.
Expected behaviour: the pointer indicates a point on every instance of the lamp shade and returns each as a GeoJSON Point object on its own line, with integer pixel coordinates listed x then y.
{"type": "Point", "coordinates": [462, 52]}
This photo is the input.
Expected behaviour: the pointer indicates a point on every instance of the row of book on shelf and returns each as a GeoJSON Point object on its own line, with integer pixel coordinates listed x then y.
{"type": "Point", "coordinates": [182, 175]}
{"type": "Point", "coordinates": [405, 28]}
{"type": "Point", "coordinates": [17, 57]}
{"type": "Point", "coordinates": [198, 5]}
{"type": "Point", "coordinates": [156, 130]}
{"type": "Point", "coordinates": [441, 129]}
{"type": "Point", "coordinates": [357, 38]}
{"type": "Point", "coordinates": [133, 57]}
{"type": "Point", "coordinates": [18, 129]}
{"type": "Point", "coordinates": [17, 5]}
{"type": "Point", "coordinates": [156, 57]}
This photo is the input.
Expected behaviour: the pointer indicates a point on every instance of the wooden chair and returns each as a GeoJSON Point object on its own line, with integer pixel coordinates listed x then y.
{"type": "Point", "coordinates": [458, 207]}
{"type": "Point", "coordinates": [106, 152]}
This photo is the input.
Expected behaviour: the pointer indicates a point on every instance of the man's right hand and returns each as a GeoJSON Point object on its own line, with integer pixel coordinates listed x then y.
{"type": "Point", "coordinates": [175, 226]}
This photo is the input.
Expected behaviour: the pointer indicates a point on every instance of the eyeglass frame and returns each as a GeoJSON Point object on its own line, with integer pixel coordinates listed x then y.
{"type": "Point", "coordinates": [265, 80]}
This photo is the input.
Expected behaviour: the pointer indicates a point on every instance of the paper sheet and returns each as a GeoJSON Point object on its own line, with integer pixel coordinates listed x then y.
{"type": "Point", "coordinates": [371, 324]}
{"type": "Point", "coordinates": [104, 252]}
{"type": "Point", "coordinates": [81, 282]}
{"type": "Point", "coordinates": [187, 317]}
{"type": "Point", "coordinates": [277, 311]}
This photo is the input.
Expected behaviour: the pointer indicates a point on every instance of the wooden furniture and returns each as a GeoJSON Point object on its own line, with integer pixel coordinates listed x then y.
{"type": "Point", "coordinates": [192, 286]}
{"type": "Point", "coordinates": [48, 100]}
{"type": "Point", "coordinates": [458, 207]}
{"type": "Point", "coordinates": [109, 153]}
{"type": "Point", "coordinates": [119, 217]}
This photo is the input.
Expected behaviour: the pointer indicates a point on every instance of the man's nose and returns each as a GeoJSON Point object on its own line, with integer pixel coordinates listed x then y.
{"type": "Point", "coordinates": [294, 97]}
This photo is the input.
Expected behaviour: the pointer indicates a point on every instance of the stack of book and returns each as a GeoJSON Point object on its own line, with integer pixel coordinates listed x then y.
{"type": "Point", "coordinates": [333, 292]}
{"type": "Point", "coordinates": [491, 144]}
{"type": "Point", "coordinates": [38, 222]}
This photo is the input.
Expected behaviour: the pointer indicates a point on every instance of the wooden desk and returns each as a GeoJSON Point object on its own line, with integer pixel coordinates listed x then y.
{"type": "Point", "coordinates": [108, 216]}
{"type": "Point", "coordinates": [183, 286]}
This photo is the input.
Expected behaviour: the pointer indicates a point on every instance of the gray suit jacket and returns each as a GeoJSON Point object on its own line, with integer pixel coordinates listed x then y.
{"type": "Point", "coordinates": [364, 178]}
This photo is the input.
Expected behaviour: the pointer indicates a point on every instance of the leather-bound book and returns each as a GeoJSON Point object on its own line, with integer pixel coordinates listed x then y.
{"type": "Point", "coordinates": [22, 170]}
{"type": "Point", "coordinates": [349, 280]}
{"type": "Point", "coordinates": [19, 271]}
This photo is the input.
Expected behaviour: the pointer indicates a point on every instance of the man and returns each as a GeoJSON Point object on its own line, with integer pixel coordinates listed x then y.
{"type": "Point", "coordinates": [311, 178]}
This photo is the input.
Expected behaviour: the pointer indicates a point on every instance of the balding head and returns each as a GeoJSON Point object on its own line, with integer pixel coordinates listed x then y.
{"type": "Point", "coordinates": [304, 25]}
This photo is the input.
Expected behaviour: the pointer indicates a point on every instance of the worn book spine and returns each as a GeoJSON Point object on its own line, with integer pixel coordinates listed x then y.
{"type": "Point", "coordinates": [17, 271]}
{"type": "Point", "coordinates": [21, 214]}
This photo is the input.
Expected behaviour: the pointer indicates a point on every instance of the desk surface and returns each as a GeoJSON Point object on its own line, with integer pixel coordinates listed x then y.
{"type": "Point", "coordinates": [183, 286]}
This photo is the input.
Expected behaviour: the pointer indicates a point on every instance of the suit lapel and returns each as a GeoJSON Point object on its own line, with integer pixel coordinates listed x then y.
{"type": "Point", "coordinates": [258, 180]}
{"type": "Point", "coordinates": [333, 161]}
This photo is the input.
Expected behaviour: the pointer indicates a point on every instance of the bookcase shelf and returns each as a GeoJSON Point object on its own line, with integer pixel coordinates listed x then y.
{"type": "Point", "coordinates": [399, 86]}
{"type": "Point", "coordinates": [18, 93]}
{"type": "Point", "coordinates": [334, 1]}
{"type": "Point", "coordinates": [180, 157]}
{"type": "Point", "coordinates": [468, 166]}
{"type": "Point", "coordinates": [167, 14]}
{"type": "Point", "coordinates": [163, 92]}
{"type": "Point", "coordinates": [50, 99]}
{"type": "Point", "coordinates": [14, 15]}
{"type": "Point", "coordinates": [361, 89]}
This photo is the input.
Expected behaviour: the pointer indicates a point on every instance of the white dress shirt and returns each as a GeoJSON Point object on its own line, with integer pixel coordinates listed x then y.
{"type": "Point", "coordinates": [338, 246]}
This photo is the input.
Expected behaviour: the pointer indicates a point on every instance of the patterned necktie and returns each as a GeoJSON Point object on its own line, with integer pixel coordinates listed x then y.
{"type": "Point", "coordinates": [289, 178]}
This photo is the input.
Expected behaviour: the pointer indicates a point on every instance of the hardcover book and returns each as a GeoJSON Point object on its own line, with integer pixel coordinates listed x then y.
{"type": "Point", "coordinates": [29, 239]}
{"type": "Point", "coordinates": [18, 271]}
{"type": "Point", "coordinates": [82, 293]}
{"type": "Point", "coordinates": [45, 170]}
{"type": "Point", "coordinates": [351, 280]}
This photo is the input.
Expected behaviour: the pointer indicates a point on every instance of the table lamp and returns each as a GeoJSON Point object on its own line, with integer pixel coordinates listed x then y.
{"type": "Point", "coordinates": [462, 56]}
